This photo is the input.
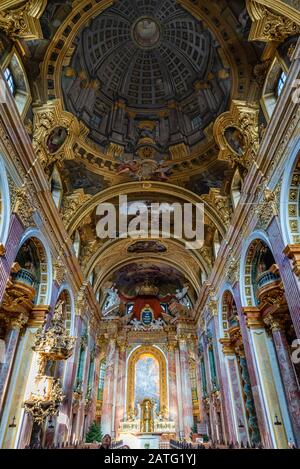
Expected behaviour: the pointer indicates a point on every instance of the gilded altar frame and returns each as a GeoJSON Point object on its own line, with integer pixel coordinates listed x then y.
{"type": "Point", "coordinates": [132, 361]}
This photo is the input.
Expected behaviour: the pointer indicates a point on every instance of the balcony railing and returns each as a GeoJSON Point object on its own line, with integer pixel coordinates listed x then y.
{"type": "Point", "coordinates": [24, 276]}
{"type": "Point", "coordinates": [266, 278]}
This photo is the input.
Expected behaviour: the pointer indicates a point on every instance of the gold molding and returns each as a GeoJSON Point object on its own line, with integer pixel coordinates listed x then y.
{"type": "Point", "coordinates": [46, 119]}
{"type": "Point", "coordinates": [132, 361]}
{"type": "Point", "coordinates": [242, 116]}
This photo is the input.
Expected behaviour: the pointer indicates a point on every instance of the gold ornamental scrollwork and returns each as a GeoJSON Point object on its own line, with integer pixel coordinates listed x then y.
{"type": "Point", "coordinates": [268, 25]}
{"type": "Point", "coordinates": [46, 119]}
{"type": "Point", "coordinates": [44, 399]}
{"type": "Point", "coordinates": [135, 356]}
{"type": "Point", "coordinates": [243, 120]}
{"type": "Point", "coordinates": [23, 21]}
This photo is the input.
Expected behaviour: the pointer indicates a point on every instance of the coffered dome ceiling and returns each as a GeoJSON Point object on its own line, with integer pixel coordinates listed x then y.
{"type": "Point", "coordinates": [147, 57]}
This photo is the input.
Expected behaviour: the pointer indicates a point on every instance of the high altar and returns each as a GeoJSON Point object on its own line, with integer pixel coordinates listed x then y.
{"type": "Point", "coordinates": [149, 387]}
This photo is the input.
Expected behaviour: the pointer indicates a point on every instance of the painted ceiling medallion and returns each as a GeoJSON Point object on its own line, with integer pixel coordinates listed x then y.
{"type": "Point", "coordinates": [146, 32]}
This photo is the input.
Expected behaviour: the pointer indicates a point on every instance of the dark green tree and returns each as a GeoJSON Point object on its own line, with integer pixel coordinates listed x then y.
{"type": "Point", "coordinates": [94, 433]}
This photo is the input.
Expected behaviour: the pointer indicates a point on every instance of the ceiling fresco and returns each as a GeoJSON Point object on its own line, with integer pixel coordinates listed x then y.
{"type": "Point", "coordinates": [144, 96]}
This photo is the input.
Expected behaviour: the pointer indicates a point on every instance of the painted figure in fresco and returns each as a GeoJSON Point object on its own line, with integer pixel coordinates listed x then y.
{"type": "Point", "coordinates": [147, 246]}
{"type": "Point", "coordinates": [235, 140]}
{"type": "Point", "coordinates": [56, 139]}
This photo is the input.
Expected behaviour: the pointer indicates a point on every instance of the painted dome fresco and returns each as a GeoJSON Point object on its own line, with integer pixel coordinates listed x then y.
{"type": "Point", "coordinates": [148, 58]}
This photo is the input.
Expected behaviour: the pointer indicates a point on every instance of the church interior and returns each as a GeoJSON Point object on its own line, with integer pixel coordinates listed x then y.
{"type": "Point", "coordinates": [163, 102]}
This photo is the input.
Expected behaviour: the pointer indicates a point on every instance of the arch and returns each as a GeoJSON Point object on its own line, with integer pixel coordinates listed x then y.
{"type": "Point", "coordinates": [246, 287]}
{"type": "Point", "coordinates": [134, 357]}
{"type": "Point", "coordinates": [144, 190]}
{"type": "Point", "coordinates": [70, 306]}
{"type": "Point", "coordinates": [45, 287]}
{"type": "Point", "coordinates": [5, 209]}
{"type": "Point", "coordinates": [223, 323]}
{"type": "Point", "coordinates": [171, 256]}
{"type": "Point", "coordinates": [290, 206]}
{"type": "Point", "coordinates": [152, 259]}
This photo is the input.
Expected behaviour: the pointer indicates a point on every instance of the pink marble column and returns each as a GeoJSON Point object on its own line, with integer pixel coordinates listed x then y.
{"type": "Point", "coordinates": [6, 367]}
{"type": "Point", "coordinates": [15, 233]}
{"type": "Point", "coordinates": [107, 406]}
{"type": "Point", "coordinates": [173, 414]}
{"type": "Point", "coordinates": [290, 281]}
{"type": "Point", "coordinates": [121, 390]}
{"type": "Point", "coordinates": [188, 420]}
{"type": "Point", "coordinates": [288, 378]}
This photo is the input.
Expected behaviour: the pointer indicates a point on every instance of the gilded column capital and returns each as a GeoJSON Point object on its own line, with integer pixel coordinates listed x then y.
{"type": "Point", "coordinates": [274, 322]}
{"type": "Point", "coordinates": [23, 21]}
{"type": "Point", "coordinates": [253, 317]}
{"type": "Point", "coordinates": [227, 346]}
{"type": "Point", "coordinates": [292, 251]}
{"type": "Point", "coordinates": [2, 250]}
{"type": "Point", "coordinates": [18, 322]}
{"type": "Point", "coordinates": [269, 26]}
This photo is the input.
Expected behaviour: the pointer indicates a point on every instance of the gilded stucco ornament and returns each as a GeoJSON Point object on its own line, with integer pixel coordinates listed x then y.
{"type": "Point", "coordinates": [59, 271]}
{"type": "Point", "coordinates": [54, 133]}
{"type": "Point", "coordinates": [55, 342]}
{"type": "Point", "coordinates": [82, 303]}
{"type": "Point", "coordinates": [268, 25]}
{"type": "Point", "coordinates": [219, 203]}
{"type": "Point", "coordinates": [72, 202]}
{"type": "Point", "coordinates": [25, 204]}
{"type": "Point", "coordinates": [237, 134]}
{"type": "Point", "coordinates": [23, 21]}
{"type": "Point", "coordinates": [212, 302]}
{"type": "Point", "coordinates": [45, 398]}
{"type": "Point", "coordinates": [232, 268]}
{"type": "Point", "coordinates": [268, 207]}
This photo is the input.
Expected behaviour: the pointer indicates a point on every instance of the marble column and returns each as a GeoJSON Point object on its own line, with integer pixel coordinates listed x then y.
{"type": "Point", "coordinates": [288, 376]}
{"type": "Point", "coordinates": [266, 376]}
{"type": "Point", "coordinates": [121, 389]}
{"type": "Point", "coordinates": [251, 412]}
{"type": "Point", "coordinates": [252, 372]}
{"type": "Point", "coordinates": [114, 397]}
{"type": "Point", "coordinates": [173, 415]}
{"type": "Point", "coordinates": [5, 369]}
{"type": "Point", "coordinates": [106, 417]}
{"type": "Point", "coordinates": [289, 279]}
{"type": "Point", "coordinates": [237, 400]}
{"type": "Point", "coordinates": [179, 394]}
{"type": "Point", "coordinates": [188, 421]}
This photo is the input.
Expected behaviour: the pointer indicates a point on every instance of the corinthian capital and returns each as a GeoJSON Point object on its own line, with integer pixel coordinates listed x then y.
{"type": "Point", "coordinates": [22, 21]}
{"type": "Point", "coordinates": [268, 25]}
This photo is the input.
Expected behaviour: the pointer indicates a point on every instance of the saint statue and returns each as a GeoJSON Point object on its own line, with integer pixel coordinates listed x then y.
{"type": "Point", "coordinates": [147, 416]}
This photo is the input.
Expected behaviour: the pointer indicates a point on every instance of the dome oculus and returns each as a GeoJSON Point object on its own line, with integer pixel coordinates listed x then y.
{"type": "Point", "coordinates": [146, 32]}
